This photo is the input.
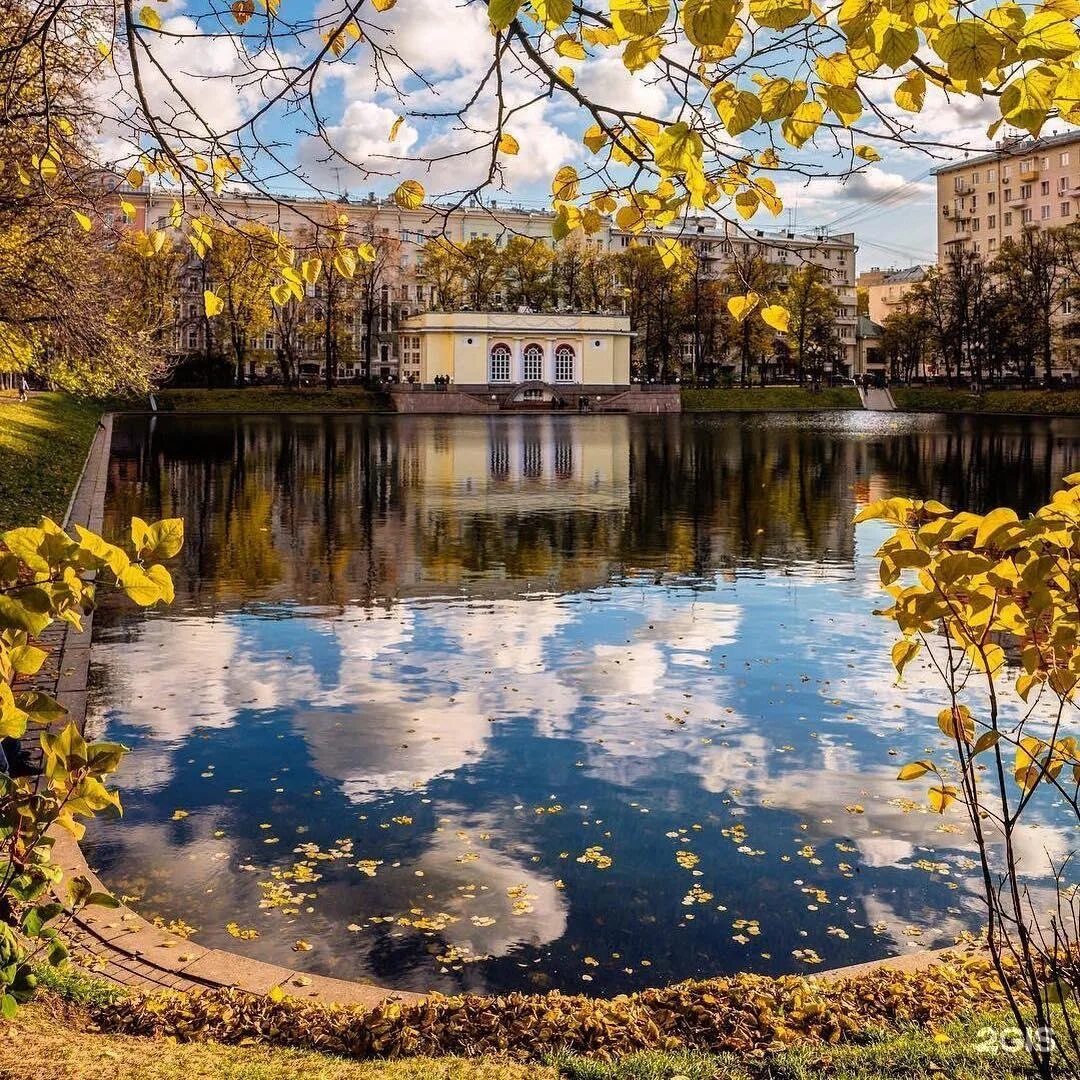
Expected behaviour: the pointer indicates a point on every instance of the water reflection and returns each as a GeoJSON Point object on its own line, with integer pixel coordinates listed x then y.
{"type": "Point", "coordinates": [501, 671]}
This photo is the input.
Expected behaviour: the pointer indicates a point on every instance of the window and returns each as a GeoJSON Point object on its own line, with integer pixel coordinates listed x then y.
{"type": "Point", "coordinates": [1044, 188]}
{"type": "Point", "coordinates": [975, 225]}
{"type": "Point", "coordinates": [991, 175]}
{"type": "Point", "coordinates": [1065, 209]}
{"type": "Point", "coordinates": [499, 364]}
{"type": "Point", "coordinates": [1007, 219]}
{"type": "Point", "coordinates": [1025, 216]}
{"type": "Point", "coordinates": [193, 339]}
{"type": "Point", "coordinates": [268, 339]}
{"type": "Point", "coordinates": [991, 221]}
{"type": "Point", "coordinates": [1026, 165]}
{"type": "Point", "coordinates": [1046, 163]}
{"type": "Point", "coordinates": [533, 368]}
{"type": "Point", "coordinates": [1005, 172]}
{"type": "Point", "coordinates": [975, 177]}
{"type": "Point", "coordinates": [1044, 211]}
{"type": "Point", "coordinates": [564, 364]}
{"type": "Point", "coordinates": [1064, 159]}
{"type": "Point", "coordinates": [991, 243]}
{"type": "Point", "coordinates": [1007, 194]}
{"type": "Point", "coordinates": [1025, 191]}
{"type": "Point", "coordinates": [991, 198]}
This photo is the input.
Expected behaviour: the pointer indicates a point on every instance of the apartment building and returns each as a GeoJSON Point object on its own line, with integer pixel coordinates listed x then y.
{"type": "Point", "coordinates": [886, 289]}
{"type": "Point", "coordinates": [404, 292]}
{"type": "Point", "coordinates": [985, 199]}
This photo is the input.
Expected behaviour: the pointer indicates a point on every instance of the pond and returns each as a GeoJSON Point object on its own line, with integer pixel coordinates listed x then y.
{"type": "Point", "coordinates": [534, 702]}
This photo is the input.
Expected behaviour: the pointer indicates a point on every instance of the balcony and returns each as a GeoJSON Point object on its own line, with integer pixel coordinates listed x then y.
{"type": "Point", "coordinates": [1027, 175]}
{"type": "Point", "coordinates": [962, 187]}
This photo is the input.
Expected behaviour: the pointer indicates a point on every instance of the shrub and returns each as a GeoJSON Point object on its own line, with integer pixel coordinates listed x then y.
{"type": "Point", "coordinates": [48, 576]}
{"type": "Point", "coordinates": [994, 602]}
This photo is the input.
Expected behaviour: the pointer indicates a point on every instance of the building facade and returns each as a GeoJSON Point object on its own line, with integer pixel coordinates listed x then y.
{"type": "Point", "coordinates": [402, 291]}
{"type": "Point", "coordinates": [885, 289]}
{"type": "Point", "coordinates": [530, 354]}
{"type": "Point", "coordinates": [986, 199]}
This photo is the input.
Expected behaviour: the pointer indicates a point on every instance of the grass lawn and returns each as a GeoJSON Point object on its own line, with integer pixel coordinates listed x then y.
{"type": "Point", "coordinates": [270, 399]}
{"type": "Point", "coordinates": [1037, 402]}
{"type": "Point", "coordinates": [53, 1039]}
{"type": "Point", "coordinates": [43, 444]}
{"type": "Point", "coordinates": [770, 399]}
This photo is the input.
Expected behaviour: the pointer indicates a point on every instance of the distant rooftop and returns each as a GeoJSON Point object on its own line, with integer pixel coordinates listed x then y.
{"type": "Point", "coordinates": [1007, 148]}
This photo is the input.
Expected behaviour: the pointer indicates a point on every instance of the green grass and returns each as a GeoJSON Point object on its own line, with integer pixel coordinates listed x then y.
{"type": "Point", "coordinates": [43, 444]}
{"type": "Point", "coordinates": [770, 399]}
{"type": "Point", "coordinates": [1032, 402]}
{"type": "Point", "coordinates": [271, 399]}
{"type": "Point", "coordinates": [909, 1055]}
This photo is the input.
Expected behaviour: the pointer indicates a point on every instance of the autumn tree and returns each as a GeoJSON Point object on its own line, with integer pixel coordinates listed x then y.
{"type": "Point", "coordinates": [906, 338]}
{"type": "Point", "coordinates": [812, 307]}
{"type": "Point", "coordinates": [750, 282]}
{"type": "Point", "coordinates": [238, 287]}
{"type": "Point", "coordinates": [1033, 270]}
{"type": "Point", "coordinates": [439, 265]}
{"type": "Point", "coordinates": [527, 273]}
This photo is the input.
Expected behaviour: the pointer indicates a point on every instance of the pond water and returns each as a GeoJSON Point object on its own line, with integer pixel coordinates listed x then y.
{"type": "Point", "coordinates": [536, 702]}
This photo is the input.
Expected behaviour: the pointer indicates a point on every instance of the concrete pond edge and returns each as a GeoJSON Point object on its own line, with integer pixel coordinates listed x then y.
{"type": "Point", "coordinates": [121, 946]}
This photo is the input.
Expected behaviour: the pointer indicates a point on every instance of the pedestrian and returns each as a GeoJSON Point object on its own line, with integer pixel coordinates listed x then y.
{"type": "Point", "coordinates": [24, 388]}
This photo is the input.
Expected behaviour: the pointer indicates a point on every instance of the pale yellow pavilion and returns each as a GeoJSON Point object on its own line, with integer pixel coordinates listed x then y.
{"type": "Point", "coordinates": [536, 353]}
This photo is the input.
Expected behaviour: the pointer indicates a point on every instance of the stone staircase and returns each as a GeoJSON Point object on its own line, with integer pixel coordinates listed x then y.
{"type": "Point", "coordinates": [877, 399]}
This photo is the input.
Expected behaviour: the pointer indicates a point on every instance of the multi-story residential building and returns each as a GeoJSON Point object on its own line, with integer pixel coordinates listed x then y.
{"type": "Point", "coordinates": [885, 289]}
{"type": "Point", "coordinates": [403, 290]}
{"type": "Point", "coordinates": [985, 199]}
{"type": "Point", "coordinates": [1022, 183]}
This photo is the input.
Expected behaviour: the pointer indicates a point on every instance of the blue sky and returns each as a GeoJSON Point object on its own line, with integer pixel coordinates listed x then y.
{"type": "Point", "coordinates": [443, 48]}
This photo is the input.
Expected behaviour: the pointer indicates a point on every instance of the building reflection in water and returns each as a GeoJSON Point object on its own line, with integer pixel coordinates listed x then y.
{"type": "Point", "coordinates": [478, 648]}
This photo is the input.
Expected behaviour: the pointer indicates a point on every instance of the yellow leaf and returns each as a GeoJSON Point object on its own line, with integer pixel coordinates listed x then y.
{"type": "Point", "coordinates": [595, 138]}
{"type": "Point", "coordinates": [779, 14]}
{"type": "Point", "coordinates": [570, 47]}
{"type": "Point", "coordinates": [992, 523]}
{"type": "Point", "coordinates": [310, 269]}
{"type": "Point", "coordinates": [565, 185]}
{"type": "Point", "coordinates": [746, 203]}
{"type": "Point", "coordinates": [914, 770]}
{"type": "Point", "coordinates": [242, 10]}
{"type": "Point", "coordinates": [846, 104]}
{"type": "Point", "coordinates": [503, 12]}
{"type": "Point", "coordinates": [940, 798]}
{"type": "Point", "coordinates": [708, 22]}
{"type": "Point", "coordinates": [552, 13]}
{"type": "Point", "coordinates": [837, 69]}
{"type": "Point", "coordinates": [395, 127]}
{"type": "Point", "coordinates": [1048, 35]}
{"type": "Point", "coordinates": [911, 93]}
{"type": "Point", "coordinates": [970, 50]}
{"type": "Point", "coordinates": [508, 144]}
{"type": "Point", "coordinates": [802, 123]}
{"type": "Point", "coordinates": [566, 75]}
{"type": "Point", "coordinates": [639, 18]}
{"type": "Point", "coordinates": [149, 18]}
{"type": "Point", "coordinates": [777, 317]}
{"type": "Point", "coordinates": [867, 153]}
{"type": "Point", "coordinates": [957, 723]}
{"type": "Point", "coordinates": [903, 652]}
{"type": "Point", "coordinates": [741, 306]}
{"type": "Point", "coordinates": [669, 250]}
{"type": "Point", "coordinates": [738, 109]}
{"type": "Point", "coordinates": [366, 253]}
{"type": "Point", "coordinates": [83, 220]}
{"type": "Point", "coordinates": [409, 195]}
{"type": "Point", "coordinates": [212, 303]}
{"type": "Point", "coordinates": [383, 5]}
